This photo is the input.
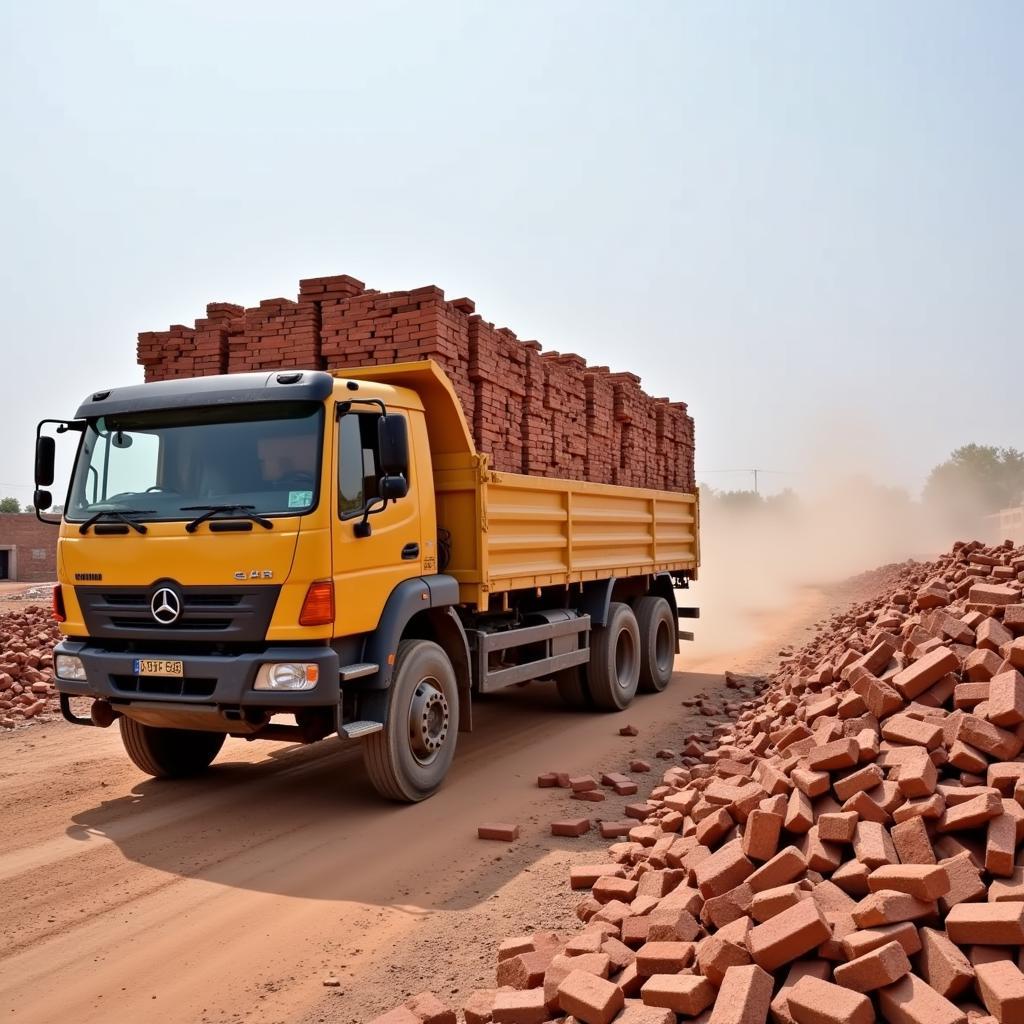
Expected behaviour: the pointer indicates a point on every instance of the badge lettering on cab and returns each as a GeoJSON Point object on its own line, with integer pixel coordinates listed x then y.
{"type": "Point", "coordinates": [255, 574]}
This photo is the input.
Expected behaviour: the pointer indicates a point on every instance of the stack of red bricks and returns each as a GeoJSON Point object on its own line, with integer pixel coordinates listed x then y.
{"type": "Point", "coordinates": [845, 848]}
{"type": "Point", "coordinates": [542, 413]}
{"type": "Point", "coordinates": [27, 693]}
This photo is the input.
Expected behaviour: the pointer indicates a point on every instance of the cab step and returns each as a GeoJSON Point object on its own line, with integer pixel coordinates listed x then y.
{"type": "Point", "coordinates": [355, 730]}
{"type": "Point", "coordinates": [360, 671]}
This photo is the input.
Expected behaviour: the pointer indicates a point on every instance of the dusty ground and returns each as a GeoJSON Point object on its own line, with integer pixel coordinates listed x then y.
{"type": "Point", "coordinates": [231, 898]}
{"type": "Point", "coordinates": [15, 596]}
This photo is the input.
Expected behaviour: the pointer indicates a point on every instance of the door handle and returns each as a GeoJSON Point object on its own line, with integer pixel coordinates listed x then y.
{"type": "Point", "coordinates": [411, 550]}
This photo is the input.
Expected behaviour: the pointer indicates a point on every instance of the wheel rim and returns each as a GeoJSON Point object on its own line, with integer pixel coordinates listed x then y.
{"type": "Point", "coordinates": [625, 658]}
{"type": "Point", "coordinates": [429, 718]}
{"type": "Point", "coordinates": [663, 653]}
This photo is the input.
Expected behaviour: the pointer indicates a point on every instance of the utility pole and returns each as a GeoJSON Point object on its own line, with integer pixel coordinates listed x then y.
{"type": "Point", "coordinates": [755, 472]}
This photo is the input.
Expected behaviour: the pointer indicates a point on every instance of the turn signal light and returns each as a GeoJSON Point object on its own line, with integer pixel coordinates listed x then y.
{"type": "Point", "coordinates": [58, 604]}
{"type": "Point", "coordinates": [318, 607]}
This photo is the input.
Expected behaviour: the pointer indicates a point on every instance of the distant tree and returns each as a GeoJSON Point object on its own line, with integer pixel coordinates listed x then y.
{"type": "Point", "coordinates": [740, 501]}
{"type": "Point", "coordinates": [976, 480]}
{"type": "Point", "coordinates": [10, 505]}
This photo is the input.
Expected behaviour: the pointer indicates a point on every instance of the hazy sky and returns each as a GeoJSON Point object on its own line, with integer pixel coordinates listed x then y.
{"type": "Point", "coordinates": [804, 219]}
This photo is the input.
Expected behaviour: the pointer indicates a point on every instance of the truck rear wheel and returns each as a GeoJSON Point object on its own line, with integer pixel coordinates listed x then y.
{"type": "Point", "coordinates": [614, 668]}
{"type": "Point", "coordinates": [409, 758]}
{"type": "Point", "coordinates": [657, 642]}
{"type": "Point", "coordinates": [572, 686]}
{"type": "Point", "coordinates": [169, 753]}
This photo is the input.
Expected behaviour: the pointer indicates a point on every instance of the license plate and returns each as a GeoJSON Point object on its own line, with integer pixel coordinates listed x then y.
{"type": "Point", "coordinates": [158, 667]}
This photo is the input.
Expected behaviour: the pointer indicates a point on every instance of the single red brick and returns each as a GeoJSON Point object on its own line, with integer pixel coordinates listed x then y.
{"type": "Point", "coordinates": [744, 997]}
{"type": "Point", "coordinates": [682, 993]}
{"type": "Point", "coordinates": [842, 753]}
{"type": "Point", "coordinates": [583, 876]}
{"type": "Point", "coordinates": [524, 1006]}
{"type": "Point", "coordinates": [813, 1001]}
{"type": "Point", "coordinates": [943, 964]}
{"type": "Point", "coordinates": [886, 906]}
{"type": "Point", "coordinates": [570, 827]}
{"type": "Point", "coordinates": [911, 1001]}
{"type": "Point", "coordinates": [866, 939]}
{"type": "Point", "coordinates": [879, 967]}
{"type": "Point", "coordinates": [500, 831]}
{"type": "Point", "coordinates": [1006, 698]}
{"type": "Point", "coordinates": [925, 672]}
{"type": "Point", "coordinates": [430, 1009]}
{"type": "Point", "coordinates": [994, 924]}
{"type": "Point", "coordinates": [663, 957]}
{"type": "Point", "coordinates": [590, 999]}
{"type": "Point", "coordinates": [761, 835]}
{"type": "Point", "coordinates": [1001, 986]}
{"type": "Point", "coordinates": [837, 826]}
{"type": "Point", "coordinates": [924, 881]}
{"type": "Point", "coordinates": [788, 935]}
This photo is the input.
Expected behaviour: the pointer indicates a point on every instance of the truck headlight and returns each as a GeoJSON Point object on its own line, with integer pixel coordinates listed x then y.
{"type": "Point", "coordinates": [69, 666]}
{"type": "Point", "coordinates": [287, 675]}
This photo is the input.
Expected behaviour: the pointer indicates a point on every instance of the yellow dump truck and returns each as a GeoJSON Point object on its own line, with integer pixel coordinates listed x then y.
{"type": "Point", "coordinates": [331, 547]}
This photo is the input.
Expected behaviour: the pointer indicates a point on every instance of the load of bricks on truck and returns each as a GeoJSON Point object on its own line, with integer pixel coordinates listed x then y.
{"type": "Point", "coordinates": [534, 412]}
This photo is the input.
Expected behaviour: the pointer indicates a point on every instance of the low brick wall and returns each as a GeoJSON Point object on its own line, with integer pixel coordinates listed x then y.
{"type": "Point", "coordinates": [536, 412]}
{"type": "Point", "coordinates": [28, 547]}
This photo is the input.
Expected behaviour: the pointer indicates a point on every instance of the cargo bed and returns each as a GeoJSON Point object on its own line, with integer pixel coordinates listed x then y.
{"type": "Point", "coordinates": [509, 531]}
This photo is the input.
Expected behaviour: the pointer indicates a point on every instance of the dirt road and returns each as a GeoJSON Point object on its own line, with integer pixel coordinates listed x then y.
{"type": "Point", "coordinates": [233, 897]}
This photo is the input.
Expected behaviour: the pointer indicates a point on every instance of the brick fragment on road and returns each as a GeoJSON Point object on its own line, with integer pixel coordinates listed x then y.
{"type": "Point", "coordinates": [500, 831]}
{"type": "Point", "coordinates": [573, 827]}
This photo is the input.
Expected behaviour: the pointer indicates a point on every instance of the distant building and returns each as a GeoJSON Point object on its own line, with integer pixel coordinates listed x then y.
{"type": "Point", "coordinates": [28, 549]}
{"type": "Point", "coordinates": [1007, 524]}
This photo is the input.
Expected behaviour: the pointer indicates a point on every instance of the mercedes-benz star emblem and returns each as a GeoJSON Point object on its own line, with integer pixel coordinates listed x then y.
{"type": "Point", "coordinates": [165, 606]}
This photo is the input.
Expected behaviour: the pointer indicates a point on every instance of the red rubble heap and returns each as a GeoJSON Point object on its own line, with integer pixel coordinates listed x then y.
{"type": "Point", "coordinates": [847, 849]}
{"type": "Point", "coordinates": [27, 693]}
{"type": "Point", "coordinates": [542, 413]}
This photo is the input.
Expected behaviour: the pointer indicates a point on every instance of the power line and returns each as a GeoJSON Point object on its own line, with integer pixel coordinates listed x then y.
{"type": "Point", "coordinates": [755, 472]}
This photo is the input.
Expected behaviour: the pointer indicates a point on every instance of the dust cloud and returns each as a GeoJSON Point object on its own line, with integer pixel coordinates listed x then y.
{"type": "Point", "coordinates": [766, 561]}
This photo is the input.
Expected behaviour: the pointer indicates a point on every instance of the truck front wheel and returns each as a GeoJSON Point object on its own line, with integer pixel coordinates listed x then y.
{"type": "Point", "coordinates": [169, 753]}
{"type": "Point", "coordinates": [614, 668]}
{"type": "Point", "coordinates": [409, 758]}
{"type": "Point", "coordinates": [657, 642]}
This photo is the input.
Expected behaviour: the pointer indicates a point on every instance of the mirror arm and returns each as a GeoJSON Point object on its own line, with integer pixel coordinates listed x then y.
{"type": "Point", "coordinates": [363, 527]}
{"type": "Point", "coordinates": [344, 408]}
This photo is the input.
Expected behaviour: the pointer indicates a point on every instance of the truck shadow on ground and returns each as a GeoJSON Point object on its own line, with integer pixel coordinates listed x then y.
{"type": "Point", "coordinates": [305, 822]}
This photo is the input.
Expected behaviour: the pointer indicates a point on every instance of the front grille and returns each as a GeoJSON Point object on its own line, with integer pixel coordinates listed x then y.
{"type": "Point", "coordinates": [184, 623]}
{"type": "Point", "coordinates": [213, 600]}
{"type": "Point", "coordinates": [231, 614]}
{"type": "Point", "coordinates": [164, 686]}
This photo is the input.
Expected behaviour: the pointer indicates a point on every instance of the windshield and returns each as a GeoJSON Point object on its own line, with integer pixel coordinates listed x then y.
{"type": "Point", "coordinates": [263, 456]}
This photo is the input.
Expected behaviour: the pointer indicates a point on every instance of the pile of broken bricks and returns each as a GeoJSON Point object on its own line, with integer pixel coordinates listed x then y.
{"type": "Point", "coordinates": [27, 693]}
{"type": "Point", "coordinates": [845, 851]}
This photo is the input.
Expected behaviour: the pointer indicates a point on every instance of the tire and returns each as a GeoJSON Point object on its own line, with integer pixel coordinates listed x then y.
{"type": "Point", "coordinates": [409, 758]}
{"type": "Point", "coordinates": [613, 672]}
{"type": "Point", "coordinates": [657, 642]}
{"type": "Point", "coordinates": [572, 687]}
{"type": "Point", "coordinates": [169, 753]}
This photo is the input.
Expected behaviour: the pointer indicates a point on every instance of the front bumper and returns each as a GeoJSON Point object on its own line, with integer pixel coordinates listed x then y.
{"type": "Point", "coordinates": [223, 680]}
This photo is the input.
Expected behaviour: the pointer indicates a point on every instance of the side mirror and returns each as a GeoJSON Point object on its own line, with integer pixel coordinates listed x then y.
{"type": "Point", "coordinates": [393, 445]}
{"type": "Point", "coordinates": [393, 487]}
{"type": "Point", "coordinates": [42, 500]}
{"type": "Point", "coordinates": [46, 452]}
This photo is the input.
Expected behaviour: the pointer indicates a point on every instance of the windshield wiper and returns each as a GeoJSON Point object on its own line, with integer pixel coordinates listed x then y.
{"type": "Point", "coordinates": [237, 512]}
{"type": "Point", "coordinates": [124, 515]}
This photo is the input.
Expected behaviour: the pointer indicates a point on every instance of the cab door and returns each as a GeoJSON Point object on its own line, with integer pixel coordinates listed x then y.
{"type": "Point", "coordinates": [367, 568]}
